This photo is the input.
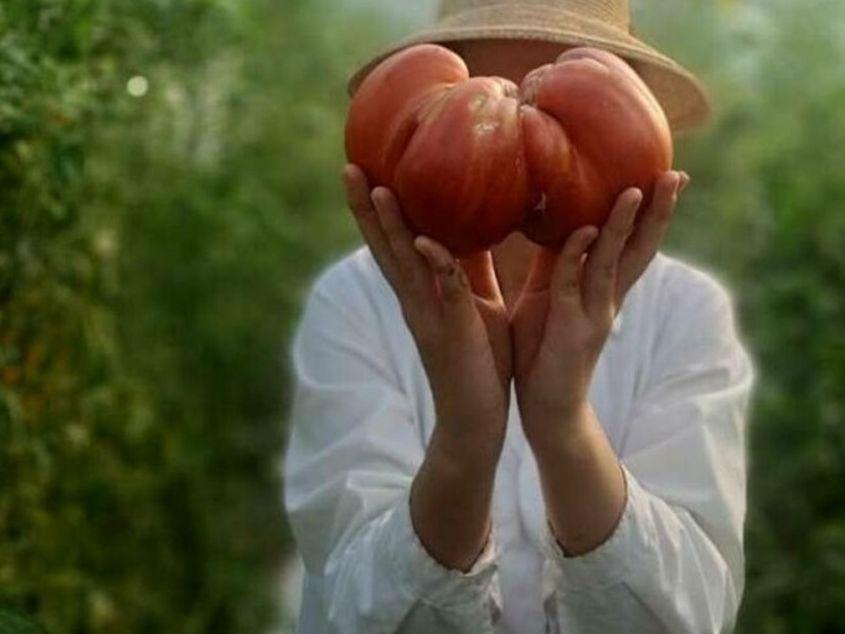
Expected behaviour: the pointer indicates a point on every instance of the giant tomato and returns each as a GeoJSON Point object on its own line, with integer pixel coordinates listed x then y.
{"type": "Point", "coordinates": [473, 159]}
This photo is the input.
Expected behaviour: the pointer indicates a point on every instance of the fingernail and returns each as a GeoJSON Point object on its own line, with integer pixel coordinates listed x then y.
{"type": "Point", "coordinates": [683, 182]}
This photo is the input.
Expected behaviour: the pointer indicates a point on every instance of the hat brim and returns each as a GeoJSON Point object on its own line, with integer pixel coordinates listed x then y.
{"type": "Point", "coordinates": [679, 93]}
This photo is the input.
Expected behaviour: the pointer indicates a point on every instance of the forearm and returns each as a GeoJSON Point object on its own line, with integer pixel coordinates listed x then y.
{"type": "Point", "coordinates": [583, 484]}
{"type": "Point", "coordinates": [451, 497]}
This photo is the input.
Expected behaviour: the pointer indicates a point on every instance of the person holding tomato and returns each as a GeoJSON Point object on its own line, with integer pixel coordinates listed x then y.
{"type": "Point", "coordinates": [522, 439]}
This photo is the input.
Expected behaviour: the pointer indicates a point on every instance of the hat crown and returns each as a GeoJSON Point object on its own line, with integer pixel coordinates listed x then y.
{"type": "Point", "coordinates": [614, 12]}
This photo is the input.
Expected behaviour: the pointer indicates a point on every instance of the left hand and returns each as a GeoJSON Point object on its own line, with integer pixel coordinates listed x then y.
{"type": "Point", "coordinates": [567, 308]}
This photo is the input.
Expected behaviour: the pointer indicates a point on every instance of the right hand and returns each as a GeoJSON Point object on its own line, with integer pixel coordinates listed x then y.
{"type": "Point", "coordinates": [456, 315]}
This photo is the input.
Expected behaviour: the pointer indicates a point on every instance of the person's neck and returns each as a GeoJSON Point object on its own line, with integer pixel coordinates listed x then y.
{"type": "Point", "coordinates": [513, 259]}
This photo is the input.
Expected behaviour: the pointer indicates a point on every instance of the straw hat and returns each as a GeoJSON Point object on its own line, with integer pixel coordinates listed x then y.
{"type": "Point", "coordinates": [603, 24]}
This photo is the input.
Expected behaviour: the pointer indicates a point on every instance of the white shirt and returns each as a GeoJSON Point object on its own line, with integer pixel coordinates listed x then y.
{"type": "Point", "coordinates": [671, 390]}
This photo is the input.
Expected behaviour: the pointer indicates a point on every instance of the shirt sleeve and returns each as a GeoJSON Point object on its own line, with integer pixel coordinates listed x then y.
{"type": "Point", "coordinates": [353, 452]}
{"type": "Point", "coordinates": [675, 561]}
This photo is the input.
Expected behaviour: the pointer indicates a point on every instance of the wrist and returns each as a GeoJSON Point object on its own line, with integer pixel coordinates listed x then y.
{"type": "Point", "coordinates": [467, 450]}
{"type": "Point", "coordinates": [561, 433]}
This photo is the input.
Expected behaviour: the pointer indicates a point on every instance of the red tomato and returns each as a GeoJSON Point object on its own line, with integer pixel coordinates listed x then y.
{"type": "Point", "coordinates": [592, 129]}
{"type": "Point", "coordinates": [473, 159]}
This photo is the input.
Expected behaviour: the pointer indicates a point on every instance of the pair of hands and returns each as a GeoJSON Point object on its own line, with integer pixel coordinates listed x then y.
{"type": "Point", "coordinates": [470, 344]}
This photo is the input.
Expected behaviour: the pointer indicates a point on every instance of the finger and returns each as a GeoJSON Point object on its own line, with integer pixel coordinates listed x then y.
{"type": "Point", "coordinates": [565, 289]}
{"type": "Point", "coordinates": [602, 264]}
{"type": "Point", "coordinates": [410, 263]}
{"type": "Point", "coordinates": [497, 325]}
{"type": "Point", "coordinates": [358, 199]}
{"type": "Point", "coordinates": [455, 290]}
{"type": "Point", "coordinates": [649, 233]}
{"type": "Point", "coordinates": [539, 278]}
{"type": "Point", "coordinates": [481, 272]}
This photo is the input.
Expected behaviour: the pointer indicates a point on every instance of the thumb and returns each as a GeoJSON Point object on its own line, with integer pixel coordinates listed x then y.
{"type": "Point", "coordinates": [540, 275]}
{"type": "Point", "coordinates": [481, 272]}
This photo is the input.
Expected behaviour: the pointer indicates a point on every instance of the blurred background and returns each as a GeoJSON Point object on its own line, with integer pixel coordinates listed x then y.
{"type": "Point", "coordinates": [168, 190]}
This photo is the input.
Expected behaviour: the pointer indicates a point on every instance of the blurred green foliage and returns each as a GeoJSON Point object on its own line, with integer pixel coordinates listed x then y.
{"type": "Point", "coordinates": [153, 254]}
{"type": "Point", "coordinates": [766, 212]}
{"type": "Point", "coordinates": [154, 251]}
